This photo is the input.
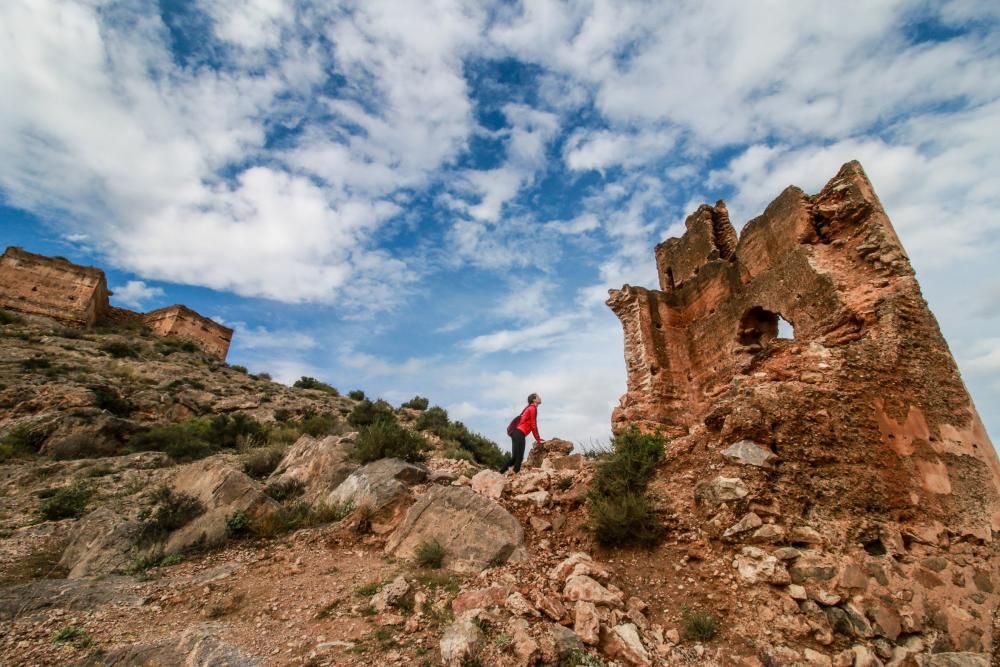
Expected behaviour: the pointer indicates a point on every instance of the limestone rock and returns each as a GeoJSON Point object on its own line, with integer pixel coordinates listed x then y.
{"type": "Point", "coordinates": [552, 447]}
{"type": "Point", "coordinates": [518, 605]}
{"type": "Point", "coordinates": [720, 490]}
{"type": "Point", "coordinates": [540, 524]}
{"type": "Point", "coordinates": [198, 645]}
{"type": "Point", "coordinates": [749, 453]}
{"type": "Point", "coordinates": [570, 462]}
{"type": "Point", "coordinates": [581, 587]}
{"type": "Point", "coordinates": [622, 642]}
{"type": "Point", "coordinates": [755, 565]}
{"type": "Point", "coordinates": [566, 640]}
{"type": "Point", "coordinates": [489, 483]}
{"type": "Point", "coordinates": [223, 490]}
{"type": "Point", "coordinates": [460, 642]}
{"type": "Point", "coordinates": [539, 498]}
{"type": "Point", "coordinates": [378, 483]}
{"type": "Point", "coordinates": [747, 523]}
{"type": "Point", "coordinates": [550, 605]}
{"type": "Point", "coordinates": [390, 594]}
{"type": "Point", "coordinates": [320, 464]}
{"type": "Point", "coordinates": [100, 543]}
{"type": "Point", "coordinates": [770, 533]}
{"type": "Point", "coordinates": [475, 531]}
{"type": "Point", "coordinates": [954, 660]}
{"type": "Point", "coordinates": [481, 598]}
{"type": "Point", "coordinates": [586, 622]}
{"type": "Point", "coordinates": [526, 649]}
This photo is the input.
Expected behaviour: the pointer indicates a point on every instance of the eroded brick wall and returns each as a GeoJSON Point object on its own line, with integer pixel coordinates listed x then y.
{"type": "Point", "coordinates": [182, 322]}
{"type": "Point", "coordinates": [52, 287]}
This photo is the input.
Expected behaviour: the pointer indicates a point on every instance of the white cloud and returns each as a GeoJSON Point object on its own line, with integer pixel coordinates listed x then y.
{"type": "Point", "coordinates": [135, 294]}
{"type": "Point", "coordinates": [984, 357]}
{"type": "Point", "coordinates": [603, 148]}
{"type": "Point", "coordinates": [535, 337]}
{"type": "Point", "coordinates": [262, 338]}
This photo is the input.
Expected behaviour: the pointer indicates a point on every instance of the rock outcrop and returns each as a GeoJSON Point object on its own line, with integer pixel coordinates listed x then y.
{"type": "Point", "coordinates": [474, 531]}
{"type": "Point", "coordinates": [853, 441]}
{"type": "Point", "coordinates": [319, 464]}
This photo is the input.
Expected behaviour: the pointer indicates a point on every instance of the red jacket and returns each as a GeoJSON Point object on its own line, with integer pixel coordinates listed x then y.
{"type": "Point", "coordinates": [529, 422]}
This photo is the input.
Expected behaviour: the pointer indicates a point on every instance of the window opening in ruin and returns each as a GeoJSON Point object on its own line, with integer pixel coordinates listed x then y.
{"type": "Point", "coordinates": [785, 329]}
{"type": "Point", "coordinates": [670, 278]}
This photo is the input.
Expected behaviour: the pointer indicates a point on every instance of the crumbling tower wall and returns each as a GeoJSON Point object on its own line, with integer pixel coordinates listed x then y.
{"type": "Point", "coordinates": [874, 433]}
{"type": "Point", "coordinates": [182, 322]}
{"type": "Point", "coordinates": [52, 287]}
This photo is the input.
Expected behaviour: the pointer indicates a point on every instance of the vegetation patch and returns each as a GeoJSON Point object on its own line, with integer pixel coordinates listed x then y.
{"type": "Point", "coordinates": [239, 369]}
{"type": "Point", "coordinates": [237, 524]}
{"type": "Point", "coordinates": [306, 382]}
{"type": "Point", "coordinates": [36, 363]}
{"type": "Point", "coordinates": [389, 440]}
{"type": "Point", "coordinates": [170, 345]}
{"type": "Point", "coordinates": [368, 413]}
{"type": "Point", "coordinates": [416, 403]}
{"type": "Point", "coordinates": [108, 399]}
{"type": "Point", "coordinates": [430, 554]}
{"type": "Point", "coordinates": [321, 425]}
{"type": "Point", "coordinates": [68, 502]}
{"type": "Point", "coordinates": [199, 437]}
{"type": "Point", "coordinates": [356, 394]}
{"type": "Point", "coordinates": [74, 635]}
{"type": "Point", "coordinates": [7, 317]}
{"type": "Point", "coordinates": [261, 462]}
{"type": "Point", "coordinates": [699, 625]}
{"type": "Point", "coordinates": [172, 510]}
{"type": "Point", "coordinates": [120, 350]}
{"type": "Point", "coordinates": [285, 490]}
{"type": "Point", "coordinates": [480, 449]}
{"type": "Point", "coordinates": [22, 442]}
{"type": "Point", "coordinates": [619, 511]}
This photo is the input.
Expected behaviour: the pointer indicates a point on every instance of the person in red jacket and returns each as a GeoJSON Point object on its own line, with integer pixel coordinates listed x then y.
{"type": "Point", "coordinates": [527, 424]}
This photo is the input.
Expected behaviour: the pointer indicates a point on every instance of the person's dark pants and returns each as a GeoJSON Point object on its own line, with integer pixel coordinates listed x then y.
{"type": "Point", "coordinates": [517, 451]}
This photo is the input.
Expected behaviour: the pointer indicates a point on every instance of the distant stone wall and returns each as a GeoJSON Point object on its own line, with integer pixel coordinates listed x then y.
{"type": "Point", "coordinates": [182, 322]}
{"type": "Point", "coordinates": [78, 296]}
{"type": "Point", "coordinates": [52, 287]}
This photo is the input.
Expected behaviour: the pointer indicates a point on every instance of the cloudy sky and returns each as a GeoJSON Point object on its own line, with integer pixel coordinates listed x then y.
{"type": "Point", "coordinates": [434, 197]}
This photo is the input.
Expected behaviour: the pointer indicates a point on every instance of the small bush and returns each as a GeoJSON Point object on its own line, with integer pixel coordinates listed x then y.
{"type": "Point", "coordinates": [172, 511]}
{"type": "Point", "coordinates": [35, 364]}
{"type": "Point", "coordinates": [282, 415]}
{"type": "Point", "coordinates": [319, 425]}
{"type": "Point", "coordinates": [356, 394]}
{"type": "Point", "coordinates": [286, 490]}
{"type": "Point", "coordinates": [430, 554]}
{"type": "Point", "coordinates": [417, 403]}
{"type": "Point", "coordinates": [699, 626]}
{"type": "Point", "coordinates": [72, 634]}
{"type": "Point", "coordinates": [7, 317]}
{"type": "Point", "coordinates": [237, 524]}
{"type": "Point", "coordinates": [22, 442]}
{"type": "Point", "coordinates": [627, 519]}
{"type": "Point", "coordinates": [389, 440]}
{"type": "Point", "coordinates": [367, 413]}
{"type": "Point", "coordinates": [282, 436]}
{"type": "Point", "coordinates": [579, 658]}
{"type": "Point", "coordinates": [108, 399]}
{"type": "Point", "coordinates": [239, 369]}
{"type": "Point", "coordinates": [433, 419]}
{"type": "Point", "coordinates": [67, 332]}
{"type": "Point", "coordinates": [260, 463]}
{"type": "Point", "coordinates": [263, 377]}
{"type": "Point", "coordinates": [120, 350]}
{"type": "Point", "coordinates": [69, 502]}
{"type": "Point", "coordinates": [169, 345]}
{"type": "Point", "coordinates": [306, 382]}
{"type": "Point", "coordinates": [81, 445]}
{"type": "Point", "coordinates": [633, 460]}
{"type": "Point", "coordinates": [235, 430]}
{"type": "Point", "coordinates": [184, 441]}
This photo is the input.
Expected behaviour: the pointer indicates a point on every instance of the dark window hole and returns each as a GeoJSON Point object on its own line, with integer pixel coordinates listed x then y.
{"type": "Point", "coordinates": [874, 547]}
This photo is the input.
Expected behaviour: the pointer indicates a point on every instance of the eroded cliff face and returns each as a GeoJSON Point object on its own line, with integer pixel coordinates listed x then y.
{"type": "Point", "coordinates": [878, 446]}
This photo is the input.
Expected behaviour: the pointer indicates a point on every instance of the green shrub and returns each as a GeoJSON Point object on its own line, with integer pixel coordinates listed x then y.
{"type": "Point", "coordinates": [433, 419]}
{"type": "Point", "coordinates": [356, 394]}
{"type": "Point", "coordinates": [282, 414]}
{"type": "Point", "coordinates": [389, 440]}
{"type": "Point", "coordinates": [285, 490]}
{"type": "Point", "coordinates": [259, 463]}
{"type": "Point", "coordinates": [580, 658]}
{"type": "Point", "coordinates": [699, 626]}
{"type": "Point", "coordinates": [67, 332]}
{"type": "Point", "coordinates": [7, 317]}
{"type": "Point", "coordinates": [263, 377]}
{"type": "Point", "coordinates": [120, 350]}
{"type": "Point", "coordinates": [68, 502]}
{"type": "Point", "coordinates": [35, 363]}
{"type": "Point", "coordinates": [318, 425]}
{"type": "Point", "coordinates": [304, 515]}
{"type": "Point", "coordinates": [430, 554]}
{"type": "Point", "coordinates": [239, 369]}
{"type": "Point", "coordinates": [306, 382]}
{"type": "Point", "coordinates": [619, 511]}
{"type": "Point", "coordinates": [169, 345]}
{"type": "Point", "coordinates": [236, 430]}
{"type": "Point", "coordinates": [81, 445]}
{"type": "Point", "coordinates": [172, 510]}
{"type": "Point", "coordinates": [108, 399]}
{"type": "Point", "coordinates": [72, 634]}
{"type": "Point", "coordinates": [184, 441]}
{"type": "Point", "coordinates": [237, 524]}
{"type": "Point", "coordinates": [631, 464]}
{"type": "Point", "coordinates": [417, 403]}
{"type": "Point", "coordinates": [21, 442]}
{"type": "Point", "coordinates": [627, 519]}
{"type": "Point", "coordinates": [367, 413]}
{"type": "Point", "coordinates": [282, 436]}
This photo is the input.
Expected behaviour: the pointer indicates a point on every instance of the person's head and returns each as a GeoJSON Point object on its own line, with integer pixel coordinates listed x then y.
{"type": "Point", "coordinates": [534, 399]}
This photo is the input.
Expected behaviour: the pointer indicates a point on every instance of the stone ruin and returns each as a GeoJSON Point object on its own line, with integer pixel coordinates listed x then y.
{"type": "Point", "coordinates": [78, 296]}
{"type": "Point", "coordinates": [854, 441]}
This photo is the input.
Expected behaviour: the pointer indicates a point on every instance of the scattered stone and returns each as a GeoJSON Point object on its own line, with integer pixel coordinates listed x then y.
{"type": "Point", "coordinates": [720, 490]}
{"type": "Point", "coordinates": [749, 453]}
{"type": "Point", "coordinates": [461, 642]}
{"type": "Point", "coordinates": [787, 553]}
{"type": "Point", "coordinates": [481, 598]}
{"type": "Point", "coordinates": [581, 587]}
{"type": "Point", "coordinates": [518, 605]}
{"type": "Point", "coordinates": [622, 642]}
{"type": "Point", "coordinates": [816, 658]}
{"type": "Point", "coordinates": [489, 483]}
{"type": "Point", "coordinates": [805, 535]}
{"type": "Point", "coordinates": [540, 524]}
{"type": "Point", "coordinates": [770, 533]}
{"type": "Point", "coordinates": [954, 660]}
{"type": "Point", "coordinates": [378, 483]}
{"type": "Point", "coordinates": [796, 592]}
{"type": "Point", "coordinates": [748, 522]}
{"type": "Point", "coordinates": [539, 498]}
{"type": "Point", "coordinates": [390, 594]}
{"type": "Point", "coordinates": [551, 448]}
{"type": "Point", "coordinates": [586, 622]}
{"type": "Point", "coordinates": [755, 565]}
{"type": "Point", "coordinates": [321, 465]}
{"type": "Point", "coordinates": [566, 640]}
{"type": "Point", "coordinates": [550, 605]}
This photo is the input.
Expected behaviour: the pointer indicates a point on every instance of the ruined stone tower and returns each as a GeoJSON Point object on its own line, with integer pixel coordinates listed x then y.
{"type": "Point", "coordinates": [865, 438]}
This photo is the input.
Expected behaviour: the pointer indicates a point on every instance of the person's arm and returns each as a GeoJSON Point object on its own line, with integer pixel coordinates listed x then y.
{"type": "Point", "coordinates": [534, 424]}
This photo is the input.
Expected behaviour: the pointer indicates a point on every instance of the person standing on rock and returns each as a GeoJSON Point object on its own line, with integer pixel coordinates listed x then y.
{"type": "Point", "coordinates": [526, 423]}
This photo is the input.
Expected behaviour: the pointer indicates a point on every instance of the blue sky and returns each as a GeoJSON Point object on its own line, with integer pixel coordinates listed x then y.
{"type": "Point", "coordinates": [434, 197]}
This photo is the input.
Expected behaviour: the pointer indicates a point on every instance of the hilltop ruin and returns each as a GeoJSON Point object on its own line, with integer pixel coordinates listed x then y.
{"type": "Point", "coordinates": [78, 296]}
{"type": "Point", "coordinates": [856, 433]}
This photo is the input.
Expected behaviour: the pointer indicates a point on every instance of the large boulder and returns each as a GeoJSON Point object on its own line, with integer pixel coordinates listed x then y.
{"type": "Point", "coordinates": [100, 543]}
{"type": "Point", "coordinates": [378, 484]}
{"type": "Point", "coordinates": [321, 465]}
{"type": "Point", "coordinates": [198, 645]}
{"type": "Point", "coordinates": [553, 448]}
{"type": "Point", "coordinates": [223, 490]}
{"type": "Point", "coordinates": [474, 531]}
